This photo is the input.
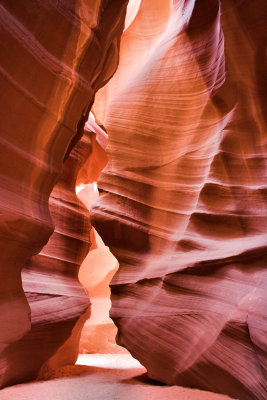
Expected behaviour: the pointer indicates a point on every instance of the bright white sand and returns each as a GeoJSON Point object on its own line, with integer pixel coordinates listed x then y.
{"type": "Point", "coordinates": [101, 377]}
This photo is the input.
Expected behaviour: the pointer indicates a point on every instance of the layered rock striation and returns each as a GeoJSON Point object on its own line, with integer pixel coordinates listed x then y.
{"type": "Point", "coordinates": [183, 205]}
{"type": "Point", "coordinates": [54, 56]}
{"type": "Point", "coordinates": [59, 304]}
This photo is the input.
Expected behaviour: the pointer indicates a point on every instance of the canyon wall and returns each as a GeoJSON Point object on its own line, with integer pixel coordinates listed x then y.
{"type": "Point", "coordinates": [183, 197]}
{"type": "Point", "coordinates": [54, 56]}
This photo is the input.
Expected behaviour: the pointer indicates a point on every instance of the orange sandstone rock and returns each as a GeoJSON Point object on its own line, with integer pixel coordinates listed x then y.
{"type": "Point", "coordinates": [183, 207]}
{"type": "Point", "coordinates": [54, 56]}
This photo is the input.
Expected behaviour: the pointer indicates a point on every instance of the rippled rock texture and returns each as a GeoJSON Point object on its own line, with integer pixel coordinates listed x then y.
{"type": "Point", "coordinates": [59, 305]}
{"type": "Point", "coordinates": [183, 205]}
{"type": "Point", "coordinates": [54, 56]}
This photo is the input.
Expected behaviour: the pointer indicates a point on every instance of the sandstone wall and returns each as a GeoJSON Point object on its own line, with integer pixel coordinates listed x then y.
{"type": "Point", "coordinates": [183, 205]}
{"type": "Point", "coordinates": [54, 56]}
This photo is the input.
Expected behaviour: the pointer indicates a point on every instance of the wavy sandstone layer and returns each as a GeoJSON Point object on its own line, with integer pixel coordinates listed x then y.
{"type": "Point", "coordinates": [54, 56]}
{"type": "Point", "coordinates": [183, 205]}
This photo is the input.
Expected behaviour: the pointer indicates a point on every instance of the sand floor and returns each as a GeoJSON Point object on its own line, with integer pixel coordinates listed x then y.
{"type": "Point", "coordinates": [100, 377]}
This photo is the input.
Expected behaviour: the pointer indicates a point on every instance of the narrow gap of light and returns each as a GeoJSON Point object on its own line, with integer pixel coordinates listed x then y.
{"type": "Point", "coordinates": [82, 186]}
{"type": "Point", "coordinates": [112, 361]}
{"type": "Point", "coordinates": [79, 188]}
{"type": "Point", "coordinates": [91, 115]}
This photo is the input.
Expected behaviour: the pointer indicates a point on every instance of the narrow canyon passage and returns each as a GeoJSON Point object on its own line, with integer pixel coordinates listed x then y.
{"type": "Point", "coordinates": [103, 369]}
{"type": "Point", "coordinates": [98, 268]}
{"type": "Point", "coordinates": [133, 199]}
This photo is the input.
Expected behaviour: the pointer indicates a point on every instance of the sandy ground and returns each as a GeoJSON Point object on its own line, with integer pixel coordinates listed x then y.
{"type": "Point", "coordinates": [100, 377]}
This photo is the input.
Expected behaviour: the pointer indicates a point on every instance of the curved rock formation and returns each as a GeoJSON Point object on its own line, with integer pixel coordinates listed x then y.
{"type": "Point", "coordinates": [183, 205]}
{"type": "Point", "coordinates": [50, 279]}
{"type": "Point", "coordinates": [54, 57]}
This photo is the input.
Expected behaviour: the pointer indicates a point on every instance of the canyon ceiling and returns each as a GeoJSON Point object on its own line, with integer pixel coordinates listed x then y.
{"type": "Point", "coordinates": [179, 86]}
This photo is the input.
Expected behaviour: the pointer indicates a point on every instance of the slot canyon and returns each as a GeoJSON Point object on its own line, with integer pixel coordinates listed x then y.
{"type": "Point", "coordinates": [133, 192]}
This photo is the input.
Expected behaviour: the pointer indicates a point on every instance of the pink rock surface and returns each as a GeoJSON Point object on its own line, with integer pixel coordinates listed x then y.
{"type": "Point", "coordinates": [54, 57]}
{"type": "Point", "coordinates": [59, 305]}
{"type": "Point", "coordinates": [183, 205]}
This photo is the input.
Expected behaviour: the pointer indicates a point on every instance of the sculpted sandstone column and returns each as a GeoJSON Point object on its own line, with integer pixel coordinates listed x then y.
{"type": "Point", "coordinates": [54, 56]}
{"type": "Point", "coordinates": [183, 205]}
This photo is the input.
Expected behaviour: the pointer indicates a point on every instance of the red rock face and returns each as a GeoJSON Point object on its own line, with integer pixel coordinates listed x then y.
{"type": "Point", "coordinates": [54, 57]}
{"type": "Point", "coordinates": [183, 205]}
{"type": "Point", "coordinates": [59, 305]}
